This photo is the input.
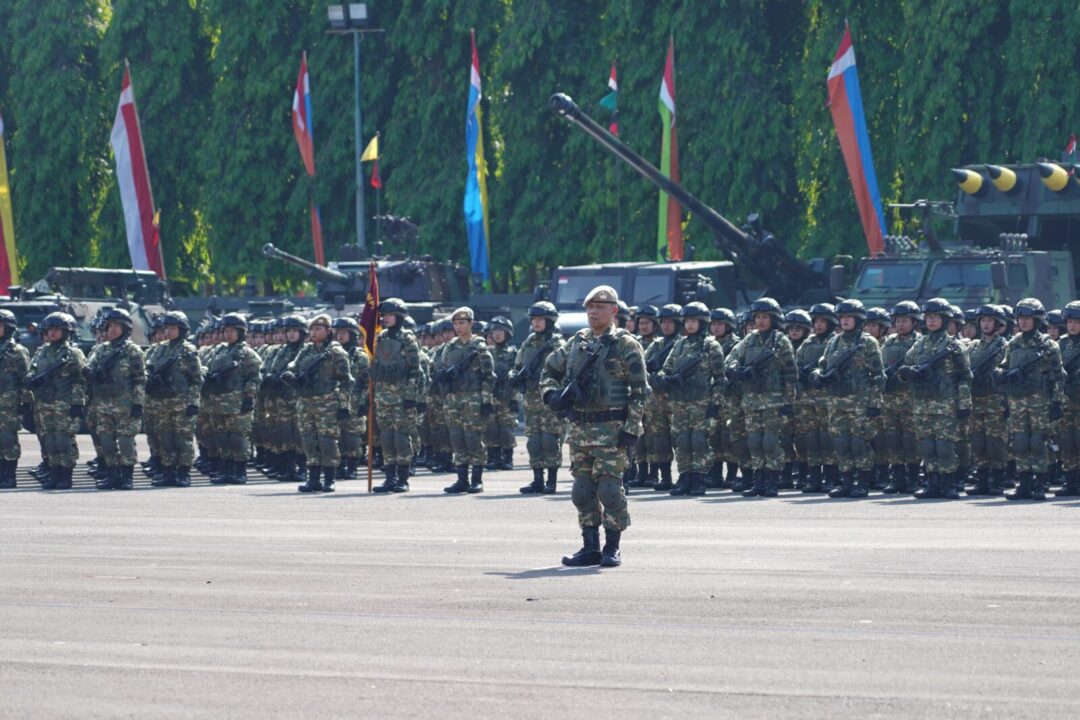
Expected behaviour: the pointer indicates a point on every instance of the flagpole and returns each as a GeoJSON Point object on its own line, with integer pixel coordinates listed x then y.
{"type": "Point", "coordinates": [370, 429]}
{"type": "Point", "coordinates": [149, 185]}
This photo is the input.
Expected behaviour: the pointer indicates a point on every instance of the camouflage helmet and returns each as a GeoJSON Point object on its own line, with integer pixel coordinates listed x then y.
{"type": "Point", "coordinates": [408, 322]}
{"type": "Point", "coordinates": [1056, 318]}
{"type": "Point", "coordinates": [177, 318]}
{"type": "Point", "coordinates": [393, 306]}
{"type": "Point", "coordinates": [117, 315]}
{"type": "Point", "coordinates": [993, 311]}
{"type": "Point", "coordinates": [479, 327]}
{"type": "Point", "coordinates": [444, 326]}
{"type": "Point", "coordinates": [501, 322]}
{"type": "Point", "coordinates": [723, 315]}
{"type": "Point", "coordinates": [72, 323]}
{"type": "Point", "coordinates": [294, 322]}
{"type": "Point", "coordinates": [234, 320]}
{"type": "Point", "coordinates": [543, 309]}
{"type": "Point", "coordinates": [156, 323]}
{"type": "Point", "coordinates": [649, 311]}
{"type": "Point", "coordinates": [798, 318]}
{"type": "Point", "coordinates": [1030, 307]}
{"type": "Point", "coordinates": [345, 323]}
{"type": "Point", "coordinates": [878, 315]}
{"type": "Point", "coordinates": [1071, 311]}
{"type": "Point", "coordinates": [767, 305]}
{"type": "Point", "coordinates": [56, 320]}
{"type": "Point", "coordinates": [851, 307]}
{"type": "Point", "coordinates": [937, 306]}
{"type": "Point", "coordinates": [8, 320]}
{"type": "Point", "coordinates": [694, 310]}
{"type": "Point", "coordinates": [956, 314]}
{"type": "Point", "coordinates": [970, 316]}
{"type": "Point", "coordinates": [906, 308]}
{"type": "Point", "coordinates": [671, 312]}
{"type": "Point", "coordinates": [826, 311]}
{"type": "Point", "coordinates": [1008, 310]}
{"type": "Point", "coordinates": [623, 312]}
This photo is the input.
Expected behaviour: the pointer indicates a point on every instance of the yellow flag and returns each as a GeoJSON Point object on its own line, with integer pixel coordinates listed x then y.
{"type": "Point", "coordinates": [9, 271]}
{"type": "Point", "coordinates": [371, 152]}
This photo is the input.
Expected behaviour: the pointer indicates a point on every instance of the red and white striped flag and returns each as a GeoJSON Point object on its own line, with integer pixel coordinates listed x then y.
{"type": "Point", "coordinates": [133, 179]}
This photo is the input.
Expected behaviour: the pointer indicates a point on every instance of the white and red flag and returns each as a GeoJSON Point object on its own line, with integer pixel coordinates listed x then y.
{"type": "Point", "coordinates": [134, 181]}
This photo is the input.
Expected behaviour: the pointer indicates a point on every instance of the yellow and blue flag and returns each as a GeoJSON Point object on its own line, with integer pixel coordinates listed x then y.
{"type": "Point", "coordinates": [476, 199]}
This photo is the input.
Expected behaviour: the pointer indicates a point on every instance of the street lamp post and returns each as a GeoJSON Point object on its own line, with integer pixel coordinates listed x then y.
{"type": "Point", "coordinates": [352, 19]}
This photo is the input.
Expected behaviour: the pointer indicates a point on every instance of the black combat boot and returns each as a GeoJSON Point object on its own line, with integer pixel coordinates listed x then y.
{"type": "Point", "coordinates": [40, 471]}
{"type": "Point", "coordinates": [745, 481]}
{"type": "Point", "coordinates": [239, 473]}
{"type": "Point", "coordinates": [589, 554]}
{"type": "Point", "coordinates": [507, 460]}
{"type": "Point", "coordinates": [111, 480]}
{"type": "Point", "coordinates": [682, 485]}
{"type": "Point", "coordinates": [788, 476]}
{"type": "Point", "coordinates": [715, 478]}
{"type": "Point", "coordinates": [996, 485]}
{"type": "Point", "coordinates": [313, 485]}
{"type": "Point", "coordinates": [166, 478]}
{"type": "Point", "coordinates": [813, 480]}
{"type": "Point", "coordinates": [880, 477]}
{"type": "Point", "coordinates": [982, 482]}
{"type": "Point", "coordinates": [1070, 488]}
{"type": "Point", "coordinates": [552, 480]}
{"type": "Point", "coordinates": [861, 487]}
{"type": "Point", "coordinates": [350, 468]}
{"type": "Point", "coordinates": [402, 484]}
{"type": "Point", "coordinates": [948, 485]}
{"type": "Point", "coordinates": [772, 483]}
{"type": "Point", "coordinates": [911, 479]}
{"type": "Point", "coordinates": [1038, 486]}
{"type": "Point", "coordinates": [462, 484]}
{"type": "Point", "coordinates": [932, 488]}
{"type": "Point", "coordinates": [63, 479]}
{"type": "Point", "coordinates": [537, 485]}
{"type": "Point", "coordinates": [731, 475]}
{"type": "Point", "coordinates": [641, 476]}
{"type": "Point", "coordinates": [699, 481]}
{"type": "Point", "coordinates": [50, 478]}
{"type": "Point", "coordinates": [127, 477]}
{"type": "Point", "coordinates": [896, 480]}
{"type": "Point", "coordinates": [218, 470]}
{"type": "Point", "coordinates": [377, 458]}
{"type": "Point", "coordinates": [610, 556]}
{"type": "Point", "coordinates": [492, 459]}
{"type": "Point", "coordinates": [665, 478]}
{"type": "Point", "coordinates": [477, 485]}
{"type": "Point", "coordinates": [183, 476]}
{"type": "Point", "coordinates": [1012, 477]}
{"type": "Point", "coordinates": [756, 482]}
{"type": "Point", "coordinates": [1024, 482]}
{"type": "Point", "coordinates": [287, 467]}
{"type": "Point", "coordinates": [830, 477]}
{"type": "Point", "coordinates": [7, 474]}
{"type": "Point", "coordinates": [841, 484]}
{"type": "Point", "coordinates": [391, 480]}
{"type": "Point", "coordinates": [654, 475]}
{"type": "Point", "coordinates": [628, 474]}
{"type": "Point", "coordinates": [329, 473]}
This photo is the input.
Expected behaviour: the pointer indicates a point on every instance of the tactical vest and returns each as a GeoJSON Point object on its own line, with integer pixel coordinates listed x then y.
{"type": "Point", "coordinates": [806, 359]}
{"type": "Point", "coordinates": [466, 358]}
{"type": "Point", "coordinates": [503, 358]}
{"type": "Point", "coordinates": [696, 382]}
{"type": "Point", "coordinates": [938, 382]}
{"type": "Point", "coordinates": [389, 365]}
{"type": "Point", "coordinates": [852, 377]}
{"type": "Point", "coordinates": [173, 382]}
{"type": "Point", "coordinates": [226, 382]}
{"type": "Point", "coordinates": [315, 370]}
{"type": "Point", "coordinates": [109, 376]}
{"type": "Point", "coordinates": [767, 377]}
{"type": "Point", "coordinates": [10, 382]}
{"type": "Point", "coordinates": [537, 348]}
{"type": "Point", "coordinates": [1033, 379]}
{"type": "Point", "coordinates": [893, 352]}
{"type": "Point", "coordinates": [1070, 361]}
{"type": "Point", "coordinates": [607, 385]}
{"type": "Point", "coordinates": [980, 354]}
{"type": "Point", "coordinates": [61, 385]}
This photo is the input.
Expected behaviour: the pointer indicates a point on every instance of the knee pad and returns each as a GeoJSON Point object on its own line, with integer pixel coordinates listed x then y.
{"type": "Point", "coordinates": [770, 441]}
{"type": "Point", "coordinates": [909, 444]}
{"type": "Point", "coordinates": [1038, 445]}
{"type": "Point", "coordinates": [804, 443]}
{"type": "Point", "coordinates": [892, 441]}
{"type": "Point", "coordinates": [535, 445]}
{"type": "Point", "coordinates": [457, 438]}
{"type": "Point", "coordinates": [978, 444]}
{"type": "Point", "coordinates": [474, 441]}
{"type": "Point", "coordinates": [403, 444]}
{"type": "Point", "coordinates": [609, 490]}
{"type": "Point", "coordinates": [9, 438]}
{"type": "Point", "coordinates": [108, 440]}
{"type": "Point", "coordinates": [997, 453]}
{"type": "Point", "coordinates": [491, 434]}
{"type": "Point", "coordinates": [329, 444]}
{"type": "Point", "coordinates": [926, 449]}
{"type": "Point", "coordinates": [126, 445]}
{"type": "Point", "coordinates": [945, 452]}
{"type": "Point", "coordinates": [755, 443]}
{"type": "Point", "coordinates": [550, 443]}
{"type": "Point", "coordinates": [682, 441]}
{"type": "Point", "coordinates": [699, 442]}
{"type": "Point", "coordinates": [583, 493]}
{"type": "Point", "coordinates": [1021, 444]}
{"type": "Point", "coordinates": [506, 436]}
{"type": "Point", "coordinates": [841, 444]}
{"type": "Point", "coordinates": [859, 447]}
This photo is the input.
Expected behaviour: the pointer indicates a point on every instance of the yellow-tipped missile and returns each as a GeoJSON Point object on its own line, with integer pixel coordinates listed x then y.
{"type": "Point", "coordinates": [1053, 176]}
{"type": "Point", "coordinates": [970, 181]}
{"type": "Point", "coordinates": [1002, 178]}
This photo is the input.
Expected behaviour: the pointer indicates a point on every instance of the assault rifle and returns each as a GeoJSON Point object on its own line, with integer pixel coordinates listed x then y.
{"type": "Point", "coordinates": [99, 372]}
{"type": "Point", "coordinates": [212, 379]}
{"type": "Point", "coordinates": [1005, 378]}
{"type": "Point", "coordinates": [519, 380]}
{"type": "Point", "coordinates": [311, 367]}
{"type": "Point", "coordinates": [575, 391]}
{"type": "Point", "coordinates": [677, 377]}
{"type": "Point", "coordinates": [743, 372]}
{"type": "Point", "coordinates": [831, 375]}
{"type": "Point", "coordinates": [447, 375]}
{"type": "Point", "coordinates": [38, 379]}
{"type": "Point", "coordinates": [978, 371]}
{"type": "Point", "coordinates": [657, 363]}
{"type": "Point", "coordinates": [930, 363]}
{"type": "Point", "coordinates": [155, 377]}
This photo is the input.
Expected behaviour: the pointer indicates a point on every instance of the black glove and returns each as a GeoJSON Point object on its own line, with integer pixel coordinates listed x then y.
{"type": "Point", "coordinates": [815, 380]}
{"type": "Point", "coordinates": [551, 399]}
{"type": "Point", "coordinates": [997, 376]}
{"type": "Point", "coordinates": [787, 410]}
{"type": "Point", "coordinates": [409, 404]}
{"type": "Point", "coordinates": [288, 378]}
{"type": "Point", "coordinates": [27, 411]}
{"type": "Point", "coordinates": [1012, 376]}
{"type": "Point", "coordinates": [713, 411]}
{"type": "Point", "coordinates": [627, 441]}
{"type": "Point", "coordinates": [737, 374]}
{"type": "Point", "coordinates": [907, 373]}
{"type": "Point", "coordinates": [247, 404]}
{"type": "Point", "coordinates": [421, 407]}
{"type": "Point", "coordinates": [343, 414]}
{"type": "Point", "coordinates": [514, 406]}
{"type": "Point", "coordinates": [136, 411]}
{"type": "Point", "coordinates": [963, 413]}
{"type": "Point", "coordinates": [873, 412]}
{"type": "Point", "coordinates": [486, 409]}
{"type": "Point", "coordinates": [75, 411]}
{"type": "Point", "coordinates": [191, 410]}
{"type": "Point", "coordinates": [88, 373]}
{"type": "Point", "coordinates": [1055, 411]}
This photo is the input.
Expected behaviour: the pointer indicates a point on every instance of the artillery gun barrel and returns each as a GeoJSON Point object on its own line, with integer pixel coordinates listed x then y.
{"type": "Point", "coordinates": [314, 269]}
{"type": "Point", "coordinates": [766, 257]}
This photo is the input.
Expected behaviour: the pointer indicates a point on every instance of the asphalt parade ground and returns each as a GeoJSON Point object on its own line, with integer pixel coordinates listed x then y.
{"type": "Point", "coordinates": [255, 601]}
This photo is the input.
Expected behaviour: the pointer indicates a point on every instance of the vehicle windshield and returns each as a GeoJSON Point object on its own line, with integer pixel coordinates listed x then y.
{"type": "Point", "coordinates": [960, 274]}
{"type": "Point", "coordinates": [652, 289]}
{"type": "Point", "coordinates": [891, 276]}
{"type": "Point", "coordinates": [570, 289]}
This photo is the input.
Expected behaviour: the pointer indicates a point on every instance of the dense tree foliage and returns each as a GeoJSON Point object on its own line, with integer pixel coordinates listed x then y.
{"type": "Point", "coordinates": [944, 83]}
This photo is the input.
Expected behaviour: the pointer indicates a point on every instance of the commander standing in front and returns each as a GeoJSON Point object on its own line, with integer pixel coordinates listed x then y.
{"type": "Point", "coordinates": [598, 381]}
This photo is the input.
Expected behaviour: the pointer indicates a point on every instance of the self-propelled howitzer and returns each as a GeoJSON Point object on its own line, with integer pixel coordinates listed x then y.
{"type": "Point", "coordinates": [787, 279]}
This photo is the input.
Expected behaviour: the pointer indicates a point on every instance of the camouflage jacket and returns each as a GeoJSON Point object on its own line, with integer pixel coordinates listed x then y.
{"type": "Point", "coordinates": [503, 358]}
{"type": "Point", "coordinates": [698, 360]}
{"type": "Point", "coordinates": [173, 370]}
{"type": "Point", "coordinates": [985, 355]}
{"type": "Point", "coordinates": [321, 370]}
{"type": "Point", "coordinates": [531, 357]}
{"type": "Point", "coordinates": [808, 357]}
{"type": "Point", "coordinates": [14, 364]}
{"type": "Point", "coordinates": [770, 361]}
{"type": "Point", "coordinates": [1039, 360]}
{"type": "Point", "coordinates": [274, 363]}
{"type": "Point", "coordinates": [893, 351]}
{"type": "Point", "coordinates": [859, 376]}
{"type": "Point", "coordinates": [116, 374]}
{"type": "Point", "coordinates": [656, 356]}
{"type": "Point", "coordinates": [360, 367]}
{"type": "Point", "coordinates": [466, 366]}
{"type": "Point", "coordinates": [62, 362]}
{"type": "Point", "coordinates": [946, 379]}
{"type": "Point", "coordinates": [232, 374]}
{"type": "Point", "coordinates": [395, 366]}
{"type": "Point", "coordinates": [1069, 345]}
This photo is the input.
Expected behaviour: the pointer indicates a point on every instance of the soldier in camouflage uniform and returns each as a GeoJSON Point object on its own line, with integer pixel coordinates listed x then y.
{"type": "Point", "coordinates": [321, 374]}
{"type": "Point", "coordinates": [115, 375]}
{"type": "Point", "coordinates": [763, 363]}
{"type": "Point", "coordinates": [798, 325]}
{"type": "Point", "coordinates": [693, 376]}
{"type": "Point", "coordinates": [285, 453]}
{"type": "Point", "coordinates": [722, 328]}
{"type": "Point", "coordinates": [466, 371]}
{"type": "Point", "coordinates": [544, 429]}
{"type": "Point", "coordinates": [812, 440]}
{"type": "Point", "coordinates": [14, 400]}
{"type": "Point", "coordinates": [598, 379]}
{"type": "Point", "coordinates": [151, 422]}
{"type": "Point", "coordinates": [877, 326]}
{"type": "Point", "coordinates": [989, 440]}
{"type": "Point", "coordinates": [1033, 380]}
{"type": "Point", "coordinates": [503, 421]}
{"type": "Point", "coordinates": [897, 441]}
{"type": "Point", "coordinates": [436, 406]}
{"type": "Point", "coordinates": [209, 458]}
{"type": "Point", "coordinates": [851, 374]}
{"type": "Point", "coordinates": [936, 367]}
{"type": "Point", "coordinates": [657, 418]}
{"type": "Point", "coordinates": [173, 381]}
{"type": "Point", "coordinates": [228, 395]}
{"type": "Point", "coordinates": [354, 427]}
{"type": "Point", "coordinates": [1069, 426]}
{"type": "Point", "coordinates": [55, 378]}
{"type": "Point", "coordinates": [395, 370]}
{"type": "Point", "coordinates": [646, 322]}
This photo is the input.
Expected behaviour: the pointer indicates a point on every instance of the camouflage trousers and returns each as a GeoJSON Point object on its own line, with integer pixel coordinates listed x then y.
{"type": "Point", "coordinates": [597, 465]}
{"type": "Point", "coordinates": [174, 429]}
{"type": "Point", "coordinates": [544, 431]}
{"type": "Point", "coordinates": [690, 430]}
{"type": "Point", "coordinates": [765, 430]}
{"type": "Point", "coordinates": [436, 420]}
{"type": "Point", "coordinates": [116, 430]}
{"type": "Point", "coordinates": [151, 424]}
{"type": "Point", "coordinates": [813, 443]}
{"type": "Point", "coordinates": [501, 425]}
{"type": "Point", "coordinates": [657, 424]}
{"type": "Point", "coordinates": [319, 427]}
{"type": "Point", "coordinates": [229, 435]}
{"type": "Point", "coordinates": [1068, 434]}
{"type": "Point", "coordinates": [395, 425]}
{"type": "Point", "coordinates": [936, 431]}
{"type": "Point", "coordinates": [989, 439]}
{"type": "Point", "coordinates": [720, 437]}
{"type": "Point", "coordinates": [1029, 432]}
{"type": "Point", "coordinates": [352, 432]}
{"type": "Point", "coordinates": [56, 430]}
{"type": "Point", "coordinates": [897, 441]}
{"type": "Point", "coordinates": [851, 433]}
{"type": "Point", "coordinates": [10, 422]}
{"type": "Point", "coordinates": [466, 427]}
{"type": "Point", "coordinates": [739, 449]}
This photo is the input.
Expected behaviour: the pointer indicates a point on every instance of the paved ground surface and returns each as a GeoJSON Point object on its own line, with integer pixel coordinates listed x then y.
{"type": "Point", "coordinates": [256, 601]}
